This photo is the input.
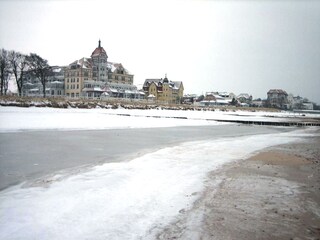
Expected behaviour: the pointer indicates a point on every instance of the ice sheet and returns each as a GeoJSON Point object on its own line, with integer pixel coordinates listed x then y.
{"type": "Point", "coordinates": [127, 200]}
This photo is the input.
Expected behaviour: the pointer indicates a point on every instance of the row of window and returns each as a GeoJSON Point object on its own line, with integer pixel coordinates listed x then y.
{"type": "Point", "coordinates": [72, 80]}
{"type": "Point", "coordinates": [77, 74]}
{"type": "Point", "coordinates": [73, 95]}
{"type": "Point", "coordinates": [73, 86]}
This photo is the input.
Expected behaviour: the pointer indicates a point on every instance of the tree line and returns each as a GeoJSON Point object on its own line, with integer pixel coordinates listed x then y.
{"type": "Point", "coordinates": [19, 65]}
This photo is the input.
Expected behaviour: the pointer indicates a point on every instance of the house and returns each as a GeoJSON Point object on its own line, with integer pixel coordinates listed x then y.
{"type": "Point", "coordinates": [189, 98]}
{"type": "Point", "coordinates": [297, 102]}
{"type": "Point", "coordinates": [244, 98]}
{"type": "Point", "coordinates": [277, 98]}
{"type": "Point", "coordinates": [164, 90]}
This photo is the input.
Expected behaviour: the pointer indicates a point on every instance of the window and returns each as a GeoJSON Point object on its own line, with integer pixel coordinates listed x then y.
{"type": "Point", "coordinates": [77, 86]}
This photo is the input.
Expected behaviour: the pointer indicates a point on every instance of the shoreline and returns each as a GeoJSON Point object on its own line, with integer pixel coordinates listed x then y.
{"type": "Point", "coordinates": [274, 194]}
{"type": "Point", "coordinates": [95, 147]}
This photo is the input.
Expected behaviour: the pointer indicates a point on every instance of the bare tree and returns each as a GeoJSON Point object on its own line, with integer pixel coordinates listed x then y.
{"type": "Point", "coordinates": [19, 66]}
{"type": "Point", "coordinates": [6, 82]}
{"type": "Point", "coordinates": [4, 70]}
{"type": "Point", "coordinates": [40, 68]}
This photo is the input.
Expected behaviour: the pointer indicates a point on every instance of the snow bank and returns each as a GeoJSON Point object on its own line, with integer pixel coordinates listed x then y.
{"type": "Point", "coordinates": [22, 119]}
{"type": "Point", "coordinates": [127, 200]}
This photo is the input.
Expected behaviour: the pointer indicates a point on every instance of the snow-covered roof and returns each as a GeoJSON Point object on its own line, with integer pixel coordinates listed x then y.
{"type": "Point", "coordinates": [94, 89]}
{"type": "Point", "coordinates": [113, 90]}
{"type": "Point", "coordinates": [57, 82]}
{"type": "Point", "coordinates": [83, 63]}
{"type": "Point", "coordinates": [34, 90]}
{"type": "Point", "coordinates": [57, 69]}
{"type": "Point", "coordinates": [177, 84]}
{"type": "Point", "coordinates": [243, 95]}
{"type": "Point", "coordinates": [159, 82]}
{"type": "Point", "coordinates": [114, 66]}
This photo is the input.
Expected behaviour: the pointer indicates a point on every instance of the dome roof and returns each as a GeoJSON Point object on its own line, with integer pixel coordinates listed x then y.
{"type": "Point", "coordinates": [99, 51]}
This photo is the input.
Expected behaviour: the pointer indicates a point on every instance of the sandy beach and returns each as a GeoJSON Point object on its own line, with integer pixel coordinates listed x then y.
{"type": "Point", "coordinates": [275, 194]}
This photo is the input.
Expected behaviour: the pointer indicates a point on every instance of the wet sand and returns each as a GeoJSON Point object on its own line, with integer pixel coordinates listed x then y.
{"type": "Point", "coordinates": [275, 194]}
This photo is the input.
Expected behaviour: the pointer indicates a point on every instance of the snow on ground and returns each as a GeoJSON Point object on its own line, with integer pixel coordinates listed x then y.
{"type": "Point", "coordinates": [126, 200]}
{"type": "Point", "coordinates": [21, 119]}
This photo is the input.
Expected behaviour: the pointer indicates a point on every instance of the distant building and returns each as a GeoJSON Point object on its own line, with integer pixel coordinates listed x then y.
{"type": "Point", "coordinates": [99, 61]}
{"type": "Point", "coordinates": [95, 76]}
{"type": "Point", "coordinates": [277, 98]}
{"type": "Point", "coordinates": [54, 87]}
{"type": "Point", "coordinates": [189, 98]}
{"type": "Point", "coordinates": [163, 90]}
{"type": "Point", "coordinates": [217, 98]}
{"type": "Point", "coordinates": [257, 103]}
{"type": "Point", "coordinates": [75, 76]}
{"type": "Point", "coordinates": [244, 98]}
{"type": "Point", "coordinates": [297, 102]}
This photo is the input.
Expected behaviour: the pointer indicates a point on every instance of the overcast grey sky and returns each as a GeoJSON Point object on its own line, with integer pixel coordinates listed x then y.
{"type": "Point", "coordinates": [234, 46]}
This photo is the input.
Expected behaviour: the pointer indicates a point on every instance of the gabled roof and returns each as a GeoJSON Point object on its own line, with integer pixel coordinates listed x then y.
{"type": "Point", "coordinates": [160, 81]}
{"type": "Point", "coordinates": [178, 84]}
{"type": "Point", "coordinates": [82, 63]}
{"type": "Point", "coordinates": [243, 95]}
{"type": "Point", "coordinates": [114, 66]}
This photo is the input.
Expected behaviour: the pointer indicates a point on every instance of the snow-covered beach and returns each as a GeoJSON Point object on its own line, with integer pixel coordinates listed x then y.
{"type": "Point", "coordinates": [27, 119]}
{"type": "Point", "coordinates": [136, 197]}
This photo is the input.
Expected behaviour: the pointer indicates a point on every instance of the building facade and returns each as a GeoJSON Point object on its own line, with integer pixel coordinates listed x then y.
{"type": "Point", "coordinates": [76, 74]}
{"type": "Point", "coordinates": [163, 90]}
{"type": "Point", "coordinates": [99, 59]}
{"type": "Point", "coordinates": [277, 98]}
{"type": "Point", "coordinates": [95, 76]}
